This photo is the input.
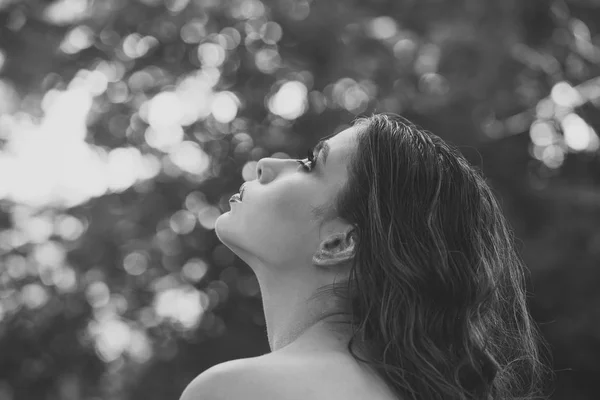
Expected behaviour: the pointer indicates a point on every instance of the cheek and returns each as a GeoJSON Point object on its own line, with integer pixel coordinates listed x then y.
{"type": "Point", "coordinates": [282, 220]}
{"type": "Point", "coordinates": [287, 202]}
{"type": "Point", "coordinates": [288, 211]}
{"type": "Point", "coordinates": [292, 208]}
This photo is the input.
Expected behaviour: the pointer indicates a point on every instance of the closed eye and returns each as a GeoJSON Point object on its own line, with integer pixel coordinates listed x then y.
{"type": "Point", "coordinates": [310, 159]}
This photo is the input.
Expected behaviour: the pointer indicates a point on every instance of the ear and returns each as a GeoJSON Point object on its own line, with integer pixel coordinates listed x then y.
{"type": "Point", "coordinates": [336, 249]}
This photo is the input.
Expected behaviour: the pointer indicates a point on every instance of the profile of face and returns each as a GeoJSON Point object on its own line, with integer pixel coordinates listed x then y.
{"type": "Point", "coordinates": [273, 228]}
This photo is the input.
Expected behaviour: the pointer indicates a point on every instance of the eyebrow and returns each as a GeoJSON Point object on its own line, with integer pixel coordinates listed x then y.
{"type": "Point", "coordinates": [323, 148]}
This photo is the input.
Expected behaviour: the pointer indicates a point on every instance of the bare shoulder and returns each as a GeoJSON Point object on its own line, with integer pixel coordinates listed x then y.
{"type": "Point", "coordinates": [248, 379]}
{"type": "Point", "coordinates": [287, 377]}
{"type": "Point", "coordinates": [328, 375]}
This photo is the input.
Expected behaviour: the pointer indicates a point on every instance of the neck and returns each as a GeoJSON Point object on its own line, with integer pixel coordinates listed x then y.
{"type": "Point", "coordinates": [290, 315]}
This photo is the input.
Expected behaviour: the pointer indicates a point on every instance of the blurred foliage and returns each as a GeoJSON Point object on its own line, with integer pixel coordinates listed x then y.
{"type": "Point", "coordinates": [125, 125]}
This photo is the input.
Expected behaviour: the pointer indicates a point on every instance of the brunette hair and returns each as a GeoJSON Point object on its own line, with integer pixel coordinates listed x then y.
{"type": "Point", "coordinates": [436, 290]}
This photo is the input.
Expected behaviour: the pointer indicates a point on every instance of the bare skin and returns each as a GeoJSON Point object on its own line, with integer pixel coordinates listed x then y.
{"type": "Point", "coordinates": [320, 359]}
{"type": "Point", "coordinates": [317, 365]}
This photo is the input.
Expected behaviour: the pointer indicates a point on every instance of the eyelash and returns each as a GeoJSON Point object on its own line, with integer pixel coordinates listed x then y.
{"type": "Point", "coordinates": [311, 159]}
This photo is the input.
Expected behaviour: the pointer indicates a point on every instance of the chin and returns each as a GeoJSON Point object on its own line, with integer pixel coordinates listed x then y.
{"type": "Point", "coordinates": [218, 222]}
{"type": "Point", "coordinates": [225, 229]}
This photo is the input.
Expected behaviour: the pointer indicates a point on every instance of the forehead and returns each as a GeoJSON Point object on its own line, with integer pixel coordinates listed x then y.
{"type": "Point", "coordinates": [341, 147]}
{"type": "Point", "coordinates": [343, 140]}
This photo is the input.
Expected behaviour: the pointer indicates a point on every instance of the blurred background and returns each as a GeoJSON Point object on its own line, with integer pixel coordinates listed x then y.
{"type": "Point", "coordinates": [126, 125]}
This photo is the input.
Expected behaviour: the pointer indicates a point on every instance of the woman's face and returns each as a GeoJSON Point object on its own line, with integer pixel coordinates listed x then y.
{"type": "Point", "coordinates": [273, 225]}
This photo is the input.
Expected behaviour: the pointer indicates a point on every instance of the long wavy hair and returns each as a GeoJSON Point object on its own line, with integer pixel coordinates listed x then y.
{"type": "Point", "coordinates": [436, 291]}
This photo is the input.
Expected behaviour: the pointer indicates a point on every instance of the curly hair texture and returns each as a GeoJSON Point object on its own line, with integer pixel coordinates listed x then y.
{"type": "Point", "coordinates": [436, 290]}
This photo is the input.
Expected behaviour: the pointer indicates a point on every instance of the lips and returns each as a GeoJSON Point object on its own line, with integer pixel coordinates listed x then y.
{"type": "Point", "coordinates": [238, 196]}
{"type": "Point", "coordinates": [242, 188]}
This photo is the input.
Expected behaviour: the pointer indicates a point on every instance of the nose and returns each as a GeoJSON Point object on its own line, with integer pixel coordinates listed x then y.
{"type": "Point", "coordinates": [268, 168]}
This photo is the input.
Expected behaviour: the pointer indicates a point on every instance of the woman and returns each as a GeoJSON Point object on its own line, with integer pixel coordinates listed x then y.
{"type": "Point", "coordinates": [386, 249]}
